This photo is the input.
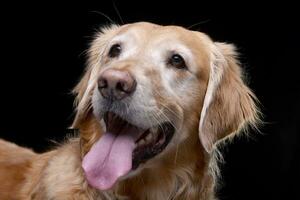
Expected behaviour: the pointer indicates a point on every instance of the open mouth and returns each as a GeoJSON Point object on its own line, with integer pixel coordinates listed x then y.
{"type": "Point", "coordinates": [122, 148]}
{"type": "Point", "coordinates": [148, 143]}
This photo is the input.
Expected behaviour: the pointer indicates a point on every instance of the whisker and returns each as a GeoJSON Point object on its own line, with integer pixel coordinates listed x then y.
{"type": "Point", "coordinates": [148, 118]}
{"type": "Point", "coordinates": [117, 11]}
{"type": "Point", "coordinates": [163, 105]}
{"type": "Point", "coordinates": [164, 117]}
{"type": "Point", "coordinates": [176, 154]}
{"type": "Point", "coordinates": [160, 118]}
{"type": "Point", "coordinates": [169, 110]}
{"type": "Point", "coordinates": [104, 15]}
{"type": "Point", "coordinates": [198, 23]}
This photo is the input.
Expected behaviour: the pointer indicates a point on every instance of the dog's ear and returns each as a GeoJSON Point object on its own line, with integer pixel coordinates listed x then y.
{"type": "Point", "coordinates": [89, 127]}
{"type": "Point", "coordinates": [81, 97]}
{"type": "Point", "coordinates": [229, 105]}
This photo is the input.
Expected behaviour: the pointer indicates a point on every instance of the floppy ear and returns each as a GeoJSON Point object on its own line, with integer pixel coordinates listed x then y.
{"type": "Point", "coordinates": [89, 127]}
{"type": "Point", "coordinates": [81, 100]}
{"type": "Point", "coordinates": [229, 105]}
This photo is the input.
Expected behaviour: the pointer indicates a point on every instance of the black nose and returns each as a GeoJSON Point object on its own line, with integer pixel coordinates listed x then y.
{"type": "Point", "coordinates": [116, 84]}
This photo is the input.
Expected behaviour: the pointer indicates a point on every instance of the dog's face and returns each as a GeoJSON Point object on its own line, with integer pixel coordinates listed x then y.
{"type": "Point", "coordinates": [151, 88]}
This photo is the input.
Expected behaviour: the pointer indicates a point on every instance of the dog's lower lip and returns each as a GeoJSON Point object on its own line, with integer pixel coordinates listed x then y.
{"type": "Point", "coordinates": [146, 152]}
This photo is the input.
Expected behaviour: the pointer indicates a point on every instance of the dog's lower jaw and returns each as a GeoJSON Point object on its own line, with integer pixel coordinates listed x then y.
{"type": "Point", "coordinates": [178, 175]}
{"type": "Point", "coordinates": [176, 181]}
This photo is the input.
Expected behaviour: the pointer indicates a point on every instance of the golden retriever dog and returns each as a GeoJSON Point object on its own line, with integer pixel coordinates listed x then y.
{"type": "Point", "coordinates": [151, 107]}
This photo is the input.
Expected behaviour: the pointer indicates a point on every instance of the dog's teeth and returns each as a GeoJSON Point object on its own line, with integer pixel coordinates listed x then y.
{"type": "Point", "coordinates": [141, 142]}
{"type": "Point", "coordinates": [154, 132]}
{"type": "Point", "coordinates": [149, 137]}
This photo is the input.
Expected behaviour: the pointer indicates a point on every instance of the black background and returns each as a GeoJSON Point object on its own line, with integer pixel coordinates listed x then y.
{"type": "Point", "coordinates": [42, 58]}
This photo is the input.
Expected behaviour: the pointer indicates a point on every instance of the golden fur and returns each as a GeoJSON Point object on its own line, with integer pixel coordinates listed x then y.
{"type": "Point", "coordinates": [186, 169]}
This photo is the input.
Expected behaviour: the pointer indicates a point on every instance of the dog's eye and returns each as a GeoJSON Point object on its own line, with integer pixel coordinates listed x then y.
{"type": "Point", "coordinates": [177, 61]}
{"type": "Point", "coordinates": [115, 50]}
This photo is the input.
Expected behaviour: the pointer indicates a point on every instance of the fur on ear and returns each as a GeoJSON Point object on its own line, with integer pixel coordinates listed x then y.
{"type": "Point", "coordinates": [81, 99]}
{"type": "Point", "coordinates": [229, 105]}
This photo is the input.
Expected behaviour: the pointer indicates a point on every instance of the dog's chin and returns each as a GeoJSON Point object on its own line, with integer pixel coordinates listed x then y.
{"type": "Point", "coordinates": [149, 142]}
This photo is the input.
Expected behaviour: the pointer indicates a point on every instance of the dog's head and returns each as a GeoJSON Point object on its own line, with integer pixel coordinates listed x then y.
{"type": "Point", "coordinates": [149, 89]}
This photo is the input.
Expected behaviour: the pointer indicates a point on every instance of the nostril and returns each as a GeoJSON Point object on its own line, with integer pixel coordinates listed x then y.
{"type": "Point", "coordinates": [102, 83]}
{"type": "Point", "coordinates": [121, 86]}
{"type": "Point", "coordinates": [127, 86]}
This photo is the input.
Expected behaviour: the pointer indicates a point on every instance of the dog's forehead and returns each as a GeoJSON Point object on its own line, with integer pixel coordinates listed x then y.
{"type": "Point", "coordinates": [158, 39]}
{"type": "Point", "coordinates": [150, 32]}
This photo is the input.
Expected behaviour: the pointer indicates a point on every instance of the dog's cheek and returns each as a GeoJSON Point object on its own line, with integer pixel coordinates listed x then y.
{"type": "Point", "coordinates": [184, 86]}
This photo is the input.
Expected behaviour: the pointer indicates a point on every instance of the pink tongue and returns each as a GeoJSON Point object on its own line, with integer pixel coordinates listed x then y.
{"type": "Point", "coordinates": [110, 158]}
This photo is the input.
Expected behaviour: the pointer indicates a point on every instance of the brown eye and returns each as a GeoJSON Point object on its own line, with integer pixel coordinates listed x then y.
{"type": "Point", "coordinates": [177, 61]}
{"type": "Point", "coordinates": [115, 50]}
